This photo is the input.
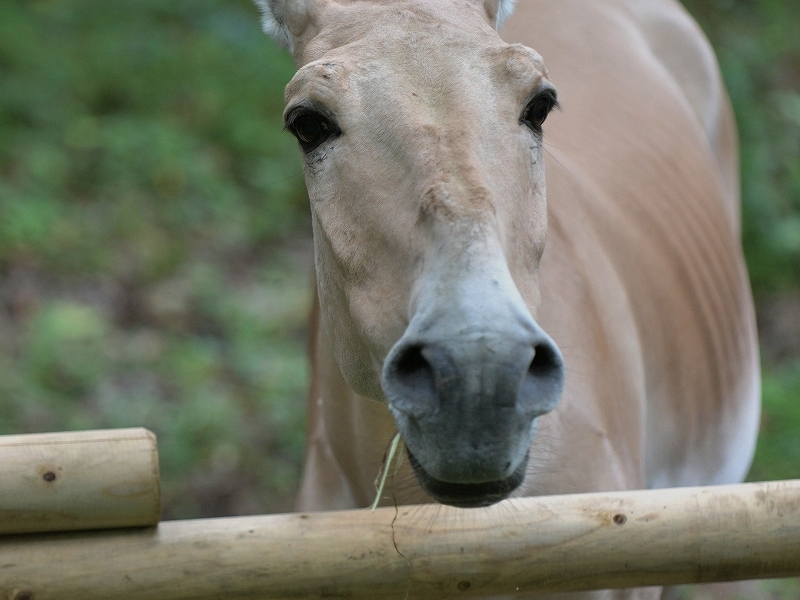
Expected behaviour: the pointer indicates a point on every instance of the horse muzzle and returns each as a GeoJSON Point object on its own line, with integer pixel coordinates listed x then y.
{"type": "Point", "coordinates": [466, 396]}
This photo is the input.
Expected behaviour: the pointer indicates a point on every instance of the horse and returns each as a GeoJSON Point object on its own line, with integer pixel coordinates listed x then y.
{"type": "Point", "coordinates": [592, 333]}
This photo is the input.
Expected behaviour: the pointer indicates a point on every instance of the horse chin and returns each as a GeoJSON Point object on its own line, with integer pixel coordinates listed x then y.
{"type": "Point", "coordinates": [468, 495]}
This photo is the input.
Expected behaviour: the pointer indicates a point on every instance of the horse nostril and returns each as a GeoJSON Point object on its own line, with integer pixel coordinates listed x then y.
{"type": "Point", "coordinates": [410, 381]}
{"type": "Point", "coordinates": [411, 363]}
{"type": "Point", "coordinates": [545, 360]}
{"type": "Point", "coordinates": [544, 380]}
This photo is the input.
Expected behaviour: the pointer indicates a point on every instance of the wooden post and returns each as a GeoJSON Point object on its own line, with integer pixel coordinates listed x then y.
{"type": "Point", "coordinates": [78, 480]}
{"type": "Point", "coordinates": [579, 542]}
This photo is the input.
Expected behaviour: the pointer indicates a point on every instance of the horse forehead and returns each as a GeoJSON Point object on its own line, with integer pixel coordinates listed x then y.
{"type": "Point", "coordinates": [465, 70]}
{"type": "Point", "coordinates": [416, 37]}
{"type": "Point", "coordinates": [405, 22]}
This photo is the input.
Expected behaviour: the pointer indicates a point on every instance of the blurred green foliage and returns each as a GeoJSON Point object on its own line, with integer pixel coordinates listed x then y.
{"type": "Point", "coordinates": [153, 231]}
{"type": "Point", "coordinates": [133, 133]}
{"type": "Point", "coordinates": [148, 198]}
{"type": "Point", "coordinates": [778, 452]}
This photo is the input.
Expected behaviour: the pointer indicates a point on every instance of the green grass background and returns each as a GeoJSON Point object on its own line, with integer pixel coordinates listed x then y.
{"type": "Point", "coordinates": [154, 237]}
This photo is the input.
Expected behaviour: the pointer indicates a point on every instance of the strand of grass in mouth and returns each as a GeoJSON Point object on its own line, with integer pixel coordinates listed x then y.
{"type": "Point", "coordinates": [385, 471]}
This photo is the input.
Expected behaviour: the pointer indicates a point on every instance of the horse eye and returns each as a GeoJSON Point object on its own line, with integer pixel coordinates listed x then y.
{"type": "Point", "coordinates": [310, 129]}
{"type": "Point", "coordinates": [537, 110]}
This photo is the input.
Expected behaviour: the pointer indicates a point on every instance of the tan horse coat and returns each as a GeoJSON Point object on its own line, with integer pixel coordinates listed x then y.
{"type": "Point", "coordinates": [642, 283]}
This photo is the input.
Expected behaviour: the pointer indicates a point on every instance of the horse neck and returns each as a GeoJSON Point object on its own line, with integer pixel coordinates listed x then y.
{"type": "Point", "coordinates": [348, 437]}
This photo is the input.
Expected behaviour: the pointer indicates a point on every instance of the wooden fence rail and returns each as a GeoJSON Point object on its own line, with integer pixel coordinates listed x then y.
{"type": "Point", "coordinates": [577, 542]}
{"type": "Point", "coordinates": [99, 479]}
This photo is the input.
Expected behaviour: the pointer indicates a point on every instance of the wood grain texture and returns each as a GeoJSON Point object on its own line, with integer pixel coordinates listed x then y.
{"type": "Point", "coordinates": [78, 480]}
{"type": "Point", "coordinates": [574, 542]}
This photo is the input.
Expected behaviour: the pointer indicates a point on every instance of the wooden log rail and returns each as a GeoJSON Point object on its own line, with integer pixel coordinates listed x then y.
{"type": "Point", "coordinates": [71, 480]}
{"type": "Point", "coordinates": [577, 542]}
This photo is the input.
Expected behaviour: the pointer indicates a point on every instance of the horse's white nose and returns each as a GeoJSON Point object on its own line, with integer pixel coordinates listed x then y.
{"type": "Point", "coordinates": [466, 398]}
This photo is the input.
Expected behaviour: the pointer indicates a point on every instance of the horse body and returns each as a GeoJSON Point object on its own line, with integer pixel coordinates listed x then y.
{"type": "Point", "coordinates": [439, 308]}
{"type": "Point", "coordinates": [643, 205]}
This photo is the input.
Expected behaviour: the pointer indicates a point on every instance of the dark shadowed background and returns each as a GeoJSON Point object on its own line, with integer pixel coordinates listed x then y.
{"type": "Point", "coordinates": [155, 246]}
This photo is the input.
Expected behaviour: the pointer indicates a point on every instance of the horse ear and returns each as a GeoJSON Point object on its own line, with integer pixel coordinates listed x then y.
{"type": "Point", "coordinates": [499, 10]}
{"type": "Point", "coordinates": [285, 20]}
